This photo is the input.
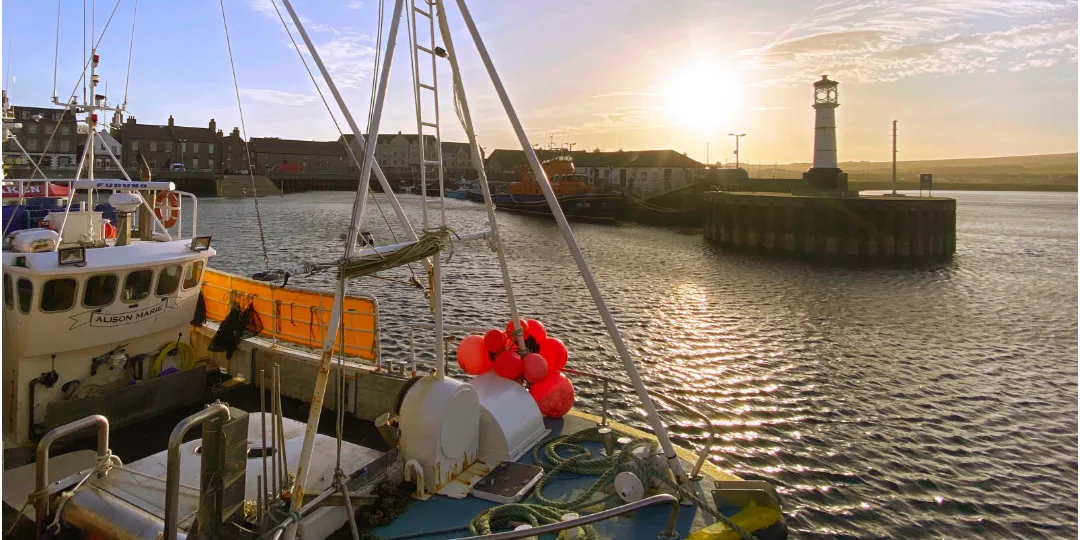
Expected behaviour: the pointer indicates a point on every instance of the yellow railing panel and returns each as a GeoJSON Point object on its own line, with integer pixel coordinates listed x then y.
{"type": "Point", "coordinates": [297, 316]}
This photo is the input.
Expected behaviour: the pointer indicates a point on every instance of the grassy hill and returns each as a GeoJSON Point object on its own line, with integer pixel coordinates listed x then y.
{"type": "Point", "coordinates": [1047, 171]}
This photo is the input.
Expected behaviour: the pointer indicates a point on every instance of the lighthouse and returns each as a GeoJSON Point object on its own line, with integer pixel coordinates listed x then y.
{"type": "Point", "coordinates": [825, 174]}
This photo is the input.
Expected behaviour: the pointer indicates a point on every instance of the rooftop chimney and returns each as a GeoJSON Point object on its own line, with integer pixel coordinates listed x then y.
{"type": "Point", "coordinates": [213, 125]}
{"type": "Point", "coordinates": [170, 121]}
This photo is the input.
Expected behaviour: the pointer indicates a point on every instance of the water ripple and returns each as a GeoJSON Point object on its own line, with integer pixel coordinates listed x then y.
{"type": "Point", "coordinates": [883, 403]}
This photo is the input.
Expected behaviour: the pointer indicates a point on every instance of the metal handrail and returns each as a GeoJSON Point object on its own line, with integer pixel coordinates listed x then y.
{"type": "Point", "coordinates": [41, 504]}
{"type": "Point", "coordinates": [172, 465]}
{"type": "Point", "coordinates": [668, 532]}
{"type": "Point", "coordinates": [194, 214]}
{"type": "Point", "coordinates": [680, 405]}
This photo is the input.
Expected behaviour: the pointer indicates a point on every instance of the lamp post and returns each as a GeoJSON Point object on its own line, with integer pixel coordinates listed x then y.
{"type": "Point", "coordinates": [737, 137]}
{"type": "Point", "coordinates": [183, 150]}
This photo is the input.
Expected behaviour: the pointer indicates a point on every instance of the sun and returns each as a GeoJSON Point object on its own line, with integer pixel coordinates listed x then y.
{"type": "Point", "coordinates": [703, 96]}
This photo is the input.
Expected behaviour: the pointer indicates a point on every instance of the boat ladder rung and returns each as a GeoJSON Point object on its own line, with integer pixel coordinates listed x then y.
{"type": "Point", "coordinates": [433, 162]}
{"type": "Point", "coordinates": [429, 124]}
{"type": "Point", "coordinates": [427, 87]}
{"type": "Point", "coordinates": [433, 201]}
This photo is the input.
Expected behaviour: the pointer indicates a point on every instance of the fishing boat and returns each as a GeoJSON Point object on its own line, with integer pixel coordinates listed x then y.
{"type": "Point", "coordinates": [462, 191]}
{"type": "Point", "coordinates": [477, 452]}
{"type": "Point", "coordinates": [577, 198]}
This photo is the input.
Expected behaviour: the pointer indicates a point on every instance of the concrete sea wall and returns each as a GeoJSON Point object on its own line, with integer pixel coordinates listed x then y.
{"type": "Point", "coordinates": [861, 230]}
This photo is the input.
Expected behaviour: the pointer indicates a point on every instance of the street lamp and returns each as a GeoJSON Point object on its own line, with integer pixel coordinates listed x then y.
{"type": "Point", "coordinates": [183, 150]}
{"type": "Point", "coordinates": [737, 137]}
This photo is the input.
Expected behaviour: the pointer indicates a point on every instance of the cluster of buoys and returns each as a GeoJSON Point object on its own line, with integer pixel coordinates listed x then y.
{"type": "Point", "coordinates": [540, 369]}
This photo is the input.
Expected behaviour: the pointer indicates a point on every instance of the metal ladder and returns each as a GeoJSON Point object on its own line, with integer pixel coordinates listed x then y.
{"type": "Point", "coordinates": [424, 127]}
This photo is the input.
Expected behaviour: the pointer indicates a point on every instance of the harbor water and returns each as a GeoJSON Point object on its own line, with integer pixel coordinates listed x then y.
{"type": "Point", "coordinates": [920, 402]}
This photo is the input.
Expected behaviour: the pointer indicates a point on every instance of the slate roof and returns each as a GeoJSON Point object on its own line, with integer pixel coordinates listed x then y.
{"type": "Point", "coordinates": [274, 145]}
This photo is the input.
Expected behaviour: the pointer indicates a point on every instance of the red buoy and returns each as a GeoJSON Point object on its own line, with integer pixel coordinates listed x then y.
{"type": "Point", "coordinates": [555, 352]}
{"type": "Point", "coordinates": [472, 355]}
{"type": "Point", "coordinates": [537, 330]}
{"type": "Point", "coordinates": [510, 329]}
{"type": "Point", "coordinates": [554, 395]}
{"type": "Point", "coordinates": [495, 341]}
{"type": "Point", "coordinates": [508, 365]}
{"type": "Point", "coordinates": [535, 367]}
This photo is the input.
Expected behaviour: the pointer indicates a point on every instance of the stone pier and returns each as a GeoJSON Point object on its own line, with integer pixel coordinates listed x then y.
{"type": "Point", "coordinates": [869, 230]}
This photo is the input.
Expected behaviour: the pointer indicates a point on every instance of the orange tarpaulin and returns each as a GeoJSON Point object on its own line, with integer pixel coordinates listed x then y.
{"type": "Point", "coordinates": [297, 316]}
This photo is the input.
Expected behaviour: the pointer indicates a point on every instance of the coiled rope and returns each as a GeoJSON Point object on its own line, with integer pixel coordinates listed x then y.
{"type": "Point", "coordinates": [565, 453]}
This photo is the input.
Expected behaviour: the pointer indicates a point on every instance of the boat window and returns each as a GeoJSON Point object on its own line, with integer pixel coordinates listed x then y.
{"type": "Point", "coordinates": [25, 290]}
{"type": "Point", "coordinates": [9, 298]}
{"type": "Point", "coordinates": [193, 274]}
{"type": "Point", "coordinates": [168, 280]}
{"type": "Point", "coordinates": [100, 291]}
{"type": "Point", "coordinates": [58, 295]}
{"type": "Point", "coordinates": [137, 286]}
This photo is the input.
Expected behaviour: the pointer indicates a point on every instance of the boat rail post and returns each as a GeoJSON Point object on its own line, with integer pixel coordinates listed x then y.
{"type": "Point", "coordinates": [172, 464]}
{"type": "Point", "coordinates": [326, 354]}
{"type": "Point", "coordinates": [575, 251]}
{"type": "Point", "coordinates": [41, 484]}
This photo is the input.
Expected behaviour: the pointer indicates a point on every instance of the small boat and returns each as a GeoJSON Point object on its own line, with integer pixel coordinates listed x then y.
{"type": "Point", "coordinates": [476, 194]}
{"type": "Point", "coordinates": [462, 191]}
{"type": "Point", "coordinates": [578, 200]}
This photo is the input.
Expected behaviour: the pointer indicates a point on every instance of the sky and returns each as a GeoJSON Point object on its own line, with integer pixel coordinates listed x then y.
{"type": "Point", "coordinates": [964, 78]}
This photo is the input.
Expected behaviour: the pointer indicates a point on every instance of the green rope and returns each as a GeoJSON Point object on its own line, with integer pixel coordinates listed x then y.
{"type": "Point", "coordinates": [564, 454]}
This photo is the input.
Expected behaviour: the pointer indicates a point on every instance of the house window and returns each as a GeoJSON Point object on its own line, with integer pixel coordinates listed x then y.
{"type": "Point", "coordinates": [136, 286]}
{"type": "Point", "coordinates": [655, 176]}
{"type": "Point", "coordinates": [210, 164]}
{"type": "Point", "coordinates": [228, 156]}
{"type": "Point", "coordinates": [211, 148]}
{"type": "Point", "coordinates": [26, 291]}
{"type": "Point", "coordinates": [168, 280]}
{"type": "Point", "coordinates": [32, 144]}
{"type": "Point", "coordinates": [152, 164]}
{"type": "Point", "coordinates": [49, 129]}
{"type": "Point", "coordinates": [194, 163]}
{"type": "Point", "coordinates": [194, 147]}
{"type": "Point", "coordinates": [25, 115]}
{"type": "Point", "coordinates": [31, 128]}
{"type": "Point", "coordinates": [65, 130]}
{"type": "Point", "coordinates": [58, 295]}
{"type": "Point", "coordinates": [183, 147]}
{"type": "Point", "coordinates": [65, 146]}
{"type": "Point", "coordinates": [153, 146]}
{"type": "Point", "coordinates": [56, 116]}
{"type": "Point", "coordinates": [168, 146]}
{"type": "Point", "coordinates": [134, 146]}
{"type": "Point", "coordinates": [100, 291]}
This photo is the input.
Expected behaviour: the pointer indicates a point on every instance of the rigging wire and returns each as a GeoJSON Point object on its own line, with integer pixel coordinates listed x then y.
{"type": "Point", "coordinates": [333, 118]}
{"type": "Point", "coordinates": [131, 48]}
{"type": "Point", "coordinates": [247, 151]}
{"type": "Point", "coordinates": [56, 56]}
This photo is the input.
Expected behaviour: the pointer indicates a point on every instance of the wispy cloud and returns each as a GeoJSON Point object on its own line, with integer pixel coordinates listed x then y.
{"type": "Point", "coordinates": [885, 40]}
{"type": "Point", "coordinates": [277, 97]}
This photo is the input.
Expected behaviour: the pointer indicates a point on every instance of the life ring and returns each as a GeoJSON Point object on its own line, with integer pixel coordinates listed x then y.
{"type": "Point", "coordinates": [167, 208]}
{"type": "Point", "coordinates": [110, 231]}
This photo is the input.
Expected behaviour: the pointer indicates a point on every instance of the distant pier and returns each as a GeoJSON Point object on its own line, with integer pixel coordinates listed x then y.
{"type": "Point", "coordinates": [869, 230]}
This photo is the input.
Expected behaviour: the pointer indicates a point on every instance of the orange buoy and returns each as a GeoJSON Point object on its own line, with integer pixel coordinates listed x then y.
{"type": "Point", "coordinates": [472, 355]}
{"type": "Point", "coordinates": [535, 367]}
{"type": "Point", "coordinates": [554, 395]}
{"type": "Point", "coordinates": [555, 352]}
{"type": "Point", "coordinates": [537, 330]}
{"type": "Point", "coordinates": [508, 365]}
{"type": "Point", "coordinates": [495, 341]}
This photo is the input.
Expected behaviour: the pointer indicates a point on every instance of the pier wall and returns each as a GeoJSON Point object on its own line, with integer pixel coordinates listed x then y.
{"type": "Point", "coordinates": [860, 230]}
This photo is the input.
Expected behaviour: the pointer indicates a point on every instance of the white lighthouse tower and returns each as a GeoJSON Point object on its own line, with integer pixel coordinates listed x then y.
{"type": "Point", "coordinates": [825, 174]}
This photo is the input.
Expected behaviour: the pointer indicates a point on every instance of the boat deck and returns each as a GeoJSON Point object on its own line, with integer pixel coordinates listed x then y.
{"type": "Point", "coordinates": [441, 517]}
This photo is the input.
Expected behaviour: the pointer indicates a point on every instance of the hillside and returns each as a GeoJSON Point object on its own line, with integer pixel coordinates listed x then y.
{"type": "Point", "coordinates": [1040, 170]}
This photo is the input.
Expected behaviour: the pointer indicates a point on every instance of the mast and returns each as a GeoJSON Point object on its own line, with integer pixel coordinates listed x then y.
{"type": "Point", "coordinates": [575, 250]}
{"type": "Point", "coordinates": [325, 361]}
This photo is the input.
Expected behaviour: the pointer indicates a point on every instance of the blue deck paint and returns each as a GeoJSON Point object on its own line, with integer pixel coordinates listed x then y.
{"type": "Point", "coordinates": [441, 513]}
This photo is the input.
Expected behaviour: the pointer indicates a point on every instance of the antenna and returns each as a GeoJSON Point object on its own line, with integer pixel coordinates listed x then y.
{"type": "Point", "coordinates": [7, 75]}
{"type": "Point", "coordinates": [894, 157]}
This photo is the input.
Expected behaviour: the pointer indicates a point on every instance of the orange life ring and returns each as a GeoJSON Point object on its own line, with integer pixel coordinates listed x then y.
{"type": "Point", "coordinates": [110, 231]}
{"type": "Point", "coordinates": [167, 208]}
